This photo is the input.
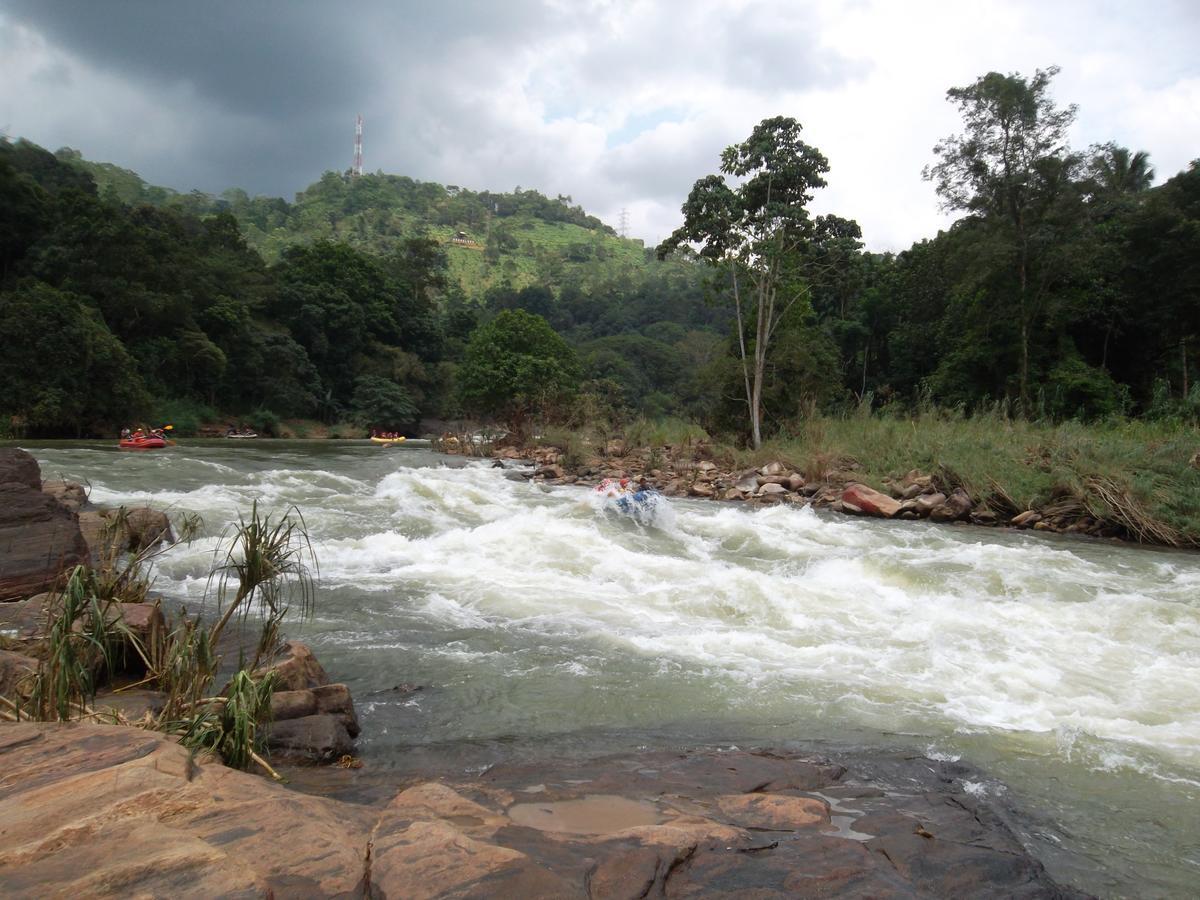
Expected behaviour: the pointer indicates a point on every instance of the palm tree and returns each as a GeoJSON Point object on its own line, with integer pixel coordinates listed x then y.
{"type": "Point", "coordinates": [1116, 170]}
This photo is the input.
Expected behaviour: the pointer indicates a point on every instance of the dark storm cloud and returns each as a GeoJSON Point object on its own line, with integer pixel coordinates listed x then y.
{"type": "Point", "coordinates": [620, 103]}
{"type": "Point", "coordinates": [283, 80]}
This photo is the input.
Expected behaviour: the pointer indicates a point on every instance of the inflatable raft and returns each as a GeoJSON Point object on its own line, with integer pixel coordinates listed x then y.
{"type": "Point", "coordinates": [143, 443]}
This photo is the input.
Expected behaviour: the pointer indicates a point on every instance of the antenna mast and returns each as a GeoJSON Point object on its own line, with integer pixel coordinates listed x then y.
{"type": "Point", "coordinates": [624, 222]}
{"type": "Point", "coordinates": [356, 167]}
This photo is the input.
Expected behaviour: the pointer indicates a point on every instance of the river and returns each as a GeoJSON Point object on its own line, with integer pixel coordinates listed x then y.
{"type": "Point", "coordinates": [1066, 670]}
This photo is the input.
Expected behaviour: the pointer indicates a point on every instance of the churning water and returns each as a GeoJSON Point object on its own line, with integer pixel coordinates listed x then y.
{"type": "Point", "coordinates": [1068, 671]}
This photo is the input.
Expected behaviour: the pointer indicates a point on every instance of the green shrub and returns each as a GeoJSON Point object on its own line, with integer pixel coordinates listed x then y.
{"type": "Point", "coordinates": [185, 415]}
{"type": "Point", "coordinates": [264, 422]}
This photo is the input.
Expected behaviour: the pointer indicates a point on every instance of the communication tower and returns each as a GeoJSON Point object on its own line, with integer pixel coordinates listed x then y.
{"type": "Point", "coordinates": [624, 222]}
{"type": "Point", "coordinates": [356, 167]}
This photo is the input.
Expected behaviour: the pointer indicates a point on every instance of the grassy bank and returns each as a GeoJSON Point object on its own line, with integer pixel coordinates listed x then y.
{"type": "Point", "coordinates": [1144, 475]}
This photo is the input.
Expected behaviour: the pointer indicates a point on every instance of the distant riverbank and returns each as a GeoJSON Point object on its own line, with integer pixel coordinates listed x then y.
{"type": "Point", "coordinates": [1132, 481]}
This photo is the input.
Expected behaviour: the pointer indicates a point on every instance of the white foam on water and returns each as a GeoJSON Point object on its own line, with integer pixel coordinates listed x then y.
{"type": "Point", "coordinates": [780, 608]}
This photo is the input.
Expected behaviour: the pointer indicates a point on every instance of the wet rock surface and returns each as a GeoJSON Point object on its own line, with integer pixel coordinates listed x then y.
{"type": "Point", "coordinates": [107, 811]}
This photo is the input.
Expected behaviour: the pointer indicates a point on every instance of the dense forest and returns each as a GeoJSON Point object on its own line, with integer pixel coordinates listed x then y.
{"type": "Point", "coordinates": [1069, 288]}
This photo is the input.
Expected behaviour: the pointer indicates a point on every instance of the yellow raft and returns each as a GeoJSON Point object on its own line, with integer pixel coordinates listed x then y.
{"type": "Point", "coordinates": [387, 442]}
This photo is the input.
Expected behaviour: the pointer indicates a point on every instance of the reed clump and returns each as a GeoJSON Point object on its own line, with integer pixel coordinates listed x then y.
{"type": "Point", "coordinates": [262, 562]}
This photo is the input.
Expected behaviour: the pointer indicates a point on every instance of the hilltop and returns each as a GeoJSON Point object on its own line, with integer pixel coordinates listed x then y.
{"type": "Point", "coordinates": [518, 239]}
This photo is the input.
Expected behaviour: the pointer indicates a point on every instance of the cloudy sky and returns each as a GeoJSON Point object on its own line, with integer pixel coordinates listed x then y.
{"type": "Point", "coordinates": [619, 103]}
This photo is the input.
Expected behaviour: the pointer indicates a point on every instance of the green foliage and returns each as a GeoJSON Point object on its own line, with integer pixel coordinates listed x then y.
{"type": "Point", "coordinates": [81, 642]}
{"type": "Point", "coordinates": [263, 421]}
{"type": "Point", "coordinates": [62, 370]}
{"type": "Point", "coordinates": [1012, 169]}
{"type": "Point", "coordinates": [762, 239]}
{"type": "Point", "coordinates": [660, 433]}
{"type": "Point", "coordinates": [1067, 289]}
{"type": "Point", "coordinates": [268, 561]}
{"type": "Point", "coordinates": [229, 725]}
{"type": "Point", "coordinates": [381, 403]}
{"type": "Point", "coordinates": [1076, 390]}
{"type": "Point", "coordinates": [516, 366]}
{"type": "Point", "coordinates": [185, 415]}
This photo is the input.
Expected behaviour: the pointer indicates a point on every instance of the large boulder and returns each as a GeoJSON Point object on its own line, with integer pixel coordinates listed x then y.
{"type": "Point", "coordinates": [295, 668]}
{"type": "Point", "coordinates": [957, 506]}
{"type": "Point", "coordinates": [147, 528]}
{"type": "Point", "coordinates": [335, 700]}
{"type": "Point", "coordinates": [292, 705]}
{"type": "Point", "coordinates": [146, 623]}
{"type": "Point", "coordinates": [327, 700]}
{"type": "Point", "coordinates": [319, 738]}
{"type": "Point", "coordinates": [25, 620]}
{"type": "Point", "coordinates": [858, 498]}
{"type": "Point", "coordinates": [747, 482]}
{"type": "Point", "coordinates": [90, 810]}
{"type": "Point", "coordinates": [927, 503]}
{"type": "Point", "coordinates": [19, 467]}
{"type": "Point", "coordinates": [39, 541]}
{"type": "Point", "coordinates": [67, 493]}
{"type": "Point", "coordinates": [110, 533]}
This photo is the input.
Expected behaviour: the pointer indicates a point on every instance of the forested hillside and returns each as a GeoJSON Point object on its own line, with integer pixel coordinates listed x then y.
{"type": "Point", "coordinates": [1069, 288]}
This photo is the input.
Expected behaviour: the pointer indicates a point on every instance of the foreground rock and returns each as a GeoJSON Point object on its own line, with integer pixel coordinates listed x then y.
{"type": "Point", "coordinates": [105, 811]}
{"type": "Point", "coordinates": [102, 811]}
{"type": "Point", "coordinates": [39, 541]}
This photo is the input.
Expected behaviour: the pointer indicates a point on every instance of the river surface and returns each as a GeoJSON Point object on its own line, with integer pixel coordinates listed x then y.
{"type": "Point", "coordinates": [1067, 671]}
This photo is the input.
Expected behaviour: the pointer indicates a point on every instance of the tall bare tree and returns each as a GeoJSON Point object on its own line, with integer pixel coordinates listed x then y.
{"type": "Point", "coordinates": [754, 232]}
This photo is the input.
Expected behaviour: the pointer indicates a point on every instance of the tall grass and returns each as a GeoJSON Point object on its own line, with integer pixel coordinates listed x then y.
{"type": "Point", "coordinates": [82, 638]}
{"type": "Point", "coordinates": [660, 433]}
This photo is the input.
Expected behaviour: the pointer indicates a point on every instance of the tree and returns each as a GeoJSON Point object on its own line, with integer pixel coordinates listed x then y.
{"type": "Point", "coordinates": [753, 234]}
{"type": "Point", "coordinates": [1012, 168]}
{"type": "Point", "coordinates": [515, 366]}
{"type": "Point", "coordinates": [62, 370]}
{"type": "Point", "coordinates": [1116, 170]}
{"type": "Point", "coordinates": [382, 403]}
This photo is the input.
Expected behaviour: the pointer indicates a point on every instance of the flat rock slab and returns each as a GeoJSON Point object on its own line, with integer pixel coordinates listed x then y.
{"type": "Point", "coordinates": [91, 810]}
{"type": "Point", "coordinates": [105, 811]}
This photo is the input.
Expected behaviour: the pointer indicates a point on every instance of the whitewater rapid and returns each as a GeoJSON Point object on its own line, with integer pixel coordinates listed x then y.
{"type": "Point", "coordinates": [897, 622]}
{"type": "Point", "coordinates": [1061, 664]}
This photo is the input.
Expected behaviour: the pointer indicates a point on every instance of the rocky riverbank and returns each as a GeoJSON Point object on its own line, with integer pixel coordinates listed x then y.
{"type": "Point", "coordinates": [88, 810]}
{"type": "Point", "coordinates": [47, 528]}
{"type": "Point", "coordinates": [937, 497]}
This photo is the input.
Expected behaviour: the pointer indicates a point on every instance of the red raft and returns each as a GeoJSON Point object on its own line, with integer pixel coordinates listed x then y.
{"type": "Point", "coordinates": [143, 443]}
